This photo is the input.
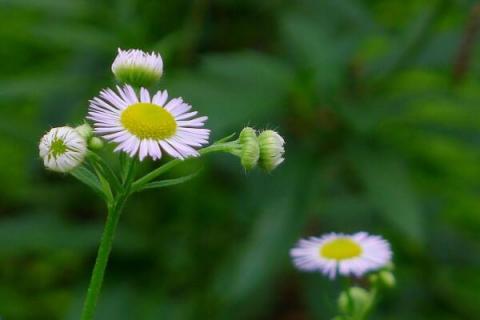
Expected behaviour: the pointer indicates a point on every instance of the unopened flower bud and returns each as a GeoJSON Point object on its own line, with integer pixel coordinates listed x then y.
{"type": "Point", "coordinates": [62, 149]}
{"type": "Point", "coordinates": [84, 130]}
{"type": "Point", "coordinates": [387, 278]}
{"type": "Point", "coordinates": [137, 68]}
{"type": "Point", "coordinates": [355, 301]}
{"type": "Point", "coordinates": [249, 152]}
{"type": "Point", "coordinates": [271, 149]}
{"type": "Point", "coordinates": [95, 143]}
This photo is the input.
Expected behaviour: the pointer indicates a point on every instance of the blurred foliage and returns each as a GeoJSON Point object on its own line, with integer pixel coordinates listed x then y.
{"type": "Point", "coordinates": [382, 129]}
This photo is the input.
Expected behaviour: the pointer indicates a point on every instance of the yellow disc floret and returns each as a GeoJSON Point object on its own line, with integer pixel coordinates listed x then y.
{"type": "Point", "coordinates": [340, 249]}
{"type": "Point", "coordinates": [148, 121]}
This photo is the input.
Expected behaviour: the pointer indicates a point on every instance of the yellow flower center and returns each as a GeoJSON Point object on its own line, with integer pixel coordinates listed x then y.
{"type": "Point", "coordinates": [340, 249]}
{"type": "Point", "coordinates": [148, 121]}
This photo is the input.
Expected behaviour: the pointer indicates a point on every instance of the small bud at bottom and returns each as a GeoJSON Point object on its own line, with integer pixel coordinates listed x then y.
{"type": "Point", "coordinates": [355, 301]}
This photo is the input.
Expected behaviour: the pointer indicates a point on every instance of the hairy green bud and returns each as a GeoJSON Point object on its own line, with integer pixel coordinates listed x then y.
{"type": "Point", "coordinates": [249, 147]}
{"type": "Point", "coordinates": [271, 149]}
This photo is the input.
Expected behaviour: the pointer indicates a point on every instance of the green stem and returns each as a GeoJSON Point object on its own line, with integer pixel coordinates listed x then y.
{"type": "Point", "coordinates": [103, 254]}
{"type": "Point", "coordinates": [373, 300]}
{"type": "Point", "coordinates": [225, 147]}
{"type": "Point", "coordinates": [114, 211]}
{"type": "Point", "coordinates": [155, 173]}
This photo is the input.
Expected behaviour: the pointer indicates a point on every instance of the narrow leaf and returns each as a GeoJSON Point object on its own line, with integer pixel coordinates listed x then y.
{"type": "Point", "coordinates": [88, 178]}
{"type": "Point", "coordinates": [105, 185]}
{"type": "Point", "coordinates": [225, 139]}
{"type": "Point", "coordinates": [169, 182]}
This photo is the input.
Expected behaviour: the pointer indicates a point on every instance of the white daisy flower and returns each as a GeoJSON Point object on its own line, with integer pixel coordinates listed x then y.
{"type": "Point", "coordinates": [62, 149]}
{"type": "Point", "coordinates": [137, 68]}
{"type": "Point", "coordinates": [341, 253]}
{"type": "Point", "coordinates": [147, 125]}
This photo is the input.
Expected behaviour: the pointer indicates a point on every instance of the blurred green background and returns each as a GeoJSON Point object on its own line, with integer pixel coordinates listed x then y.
{"type": "Point", "coordinates": [379, 102]}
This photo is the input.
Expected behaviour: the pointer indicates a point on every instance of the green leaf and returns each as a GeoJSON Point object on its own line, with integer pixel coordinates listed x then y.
{"type": "Point", "coordinates": [105, 185]}
{"type": "Point", "coordinates": [107, 171]}
{"type": "Point", "coordinates": [88, 178]}
{"type": "Point", "coordinates": [389, 190]}
{"type": "Point", "coordinates": [225, 139]}
{"type": "Point", "coordinates": [169, 182]}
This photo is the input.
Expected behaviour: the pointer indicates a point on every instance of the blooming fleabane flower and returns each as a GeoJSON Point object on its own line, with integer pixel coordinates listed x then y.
{"type": "Point", "coordinates": [271, 149]}
{"type": "Point", "coordinates": [340, 253]}
{"type": "Point", "coordinates": [62, 149]}
{"type": "Point", "coordinates": [147, 126]}
{"type": "Point", "coordinates": [137, 68]}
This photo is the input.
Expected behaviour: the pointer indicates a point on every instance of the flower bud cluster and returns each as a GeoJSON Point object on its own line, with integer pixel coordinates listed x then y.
{"type": "Point", "coordinates": [356, 302]}
{"type": "Point", "coordinates": [265, 149]}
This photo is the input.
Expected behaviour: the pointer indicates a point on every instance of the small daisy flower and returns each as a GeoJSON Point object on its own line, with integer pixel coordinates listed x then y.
{"type": "Point", "coordinates": [341, 253]}
{"type": "Point", "coordinates": [271, 149]}
{"type": "Point", "coordinates": [137, 68]}
{"type": "Point", "coordinates": [148, 126]}
{"type": "Point", "coordinates": [62, 149]}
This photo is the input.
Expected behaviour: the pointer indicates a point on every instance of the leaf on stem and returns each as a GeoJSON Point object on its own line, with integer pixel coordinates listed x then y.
{"type": "Point", "coordinates": [169, 182]}
{"type": "Point", "coordinates": [87, 177]}
{"type": "Point", "coordinates": [107, 191]}
{"type": "Point", "coordinates": [225, 139]}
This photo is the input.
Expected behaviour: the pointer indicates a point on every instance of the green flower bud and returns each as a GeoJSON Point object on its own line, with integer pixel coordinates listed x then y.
{"type": "Point", "coordinates": [249, 149]}
{"type": "Point", "coordinates": [95, 143]}
{"type": "Point", "coordinates": [84, 130]}
{"type": "Point", "coordinates": [355, 302]}
{"type": "Point", "coordinates": [390, 266]}
{"type": "Point", "coordinates": [271, 149]}
{"type": "Point", "coordinates": [387, 279]}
